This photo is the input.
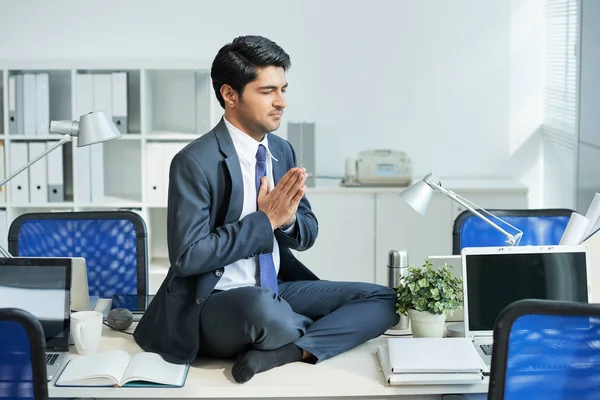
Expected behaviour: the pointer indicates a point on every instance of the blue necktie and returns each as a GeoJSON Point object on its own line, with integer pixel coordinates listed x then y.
{"type": "Point", "coordinates": [266, 266]}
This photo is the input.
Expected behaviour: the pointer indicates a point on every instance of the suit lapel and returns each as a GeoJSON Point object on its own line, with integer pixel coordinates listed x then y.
{"type": "Point", "coordinates": [278, 165]}
{"type": "Point", "coordinates": [236, 201]}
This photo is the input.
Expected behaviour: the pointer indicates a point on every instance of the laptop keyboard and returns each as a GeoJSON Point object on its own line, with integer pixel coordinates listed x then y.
{"type": "Point", "coordinates": [486, 348]}
{"type": "Point", "coordinates": [51, 358]}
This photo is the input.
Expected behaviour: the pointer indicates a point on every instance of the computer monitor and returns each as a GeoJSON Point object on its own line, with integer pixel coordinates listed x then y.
{"type": "Point", "coordinates": [42, 287]}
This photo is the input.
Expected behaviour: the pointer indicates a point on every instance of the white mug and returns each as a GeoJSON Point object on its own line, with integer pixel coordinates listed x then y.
{"type": "Point", "coordinates": [86, 329]}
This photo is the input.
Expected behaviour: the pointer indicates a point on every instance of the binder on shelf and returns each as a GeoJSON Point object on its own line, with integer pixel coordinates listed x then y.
{"type": "Point", "coordinates": [42, 103]}
{"type": "Point", "coordinates": [19, 185]}
{"type": "Point", "coordinates": [19, 101]}
{"type": "Point", "coordinates": [102, 102]}
{"type": "Point", "coordinates": [12, 105]}
{"type": "Point", "coordinates": [96, 161]}
{"type": "Point", "coordinates": [56, 186]}
{"type": "Point", "coordinates": [2, 172]}
{"type": "Point", "coordinates": [82, 191]}
{"type": "Point", "coordinates": [38, 174]}
{"type": "Point", "coordinates": [82, 175]}
{"type": "Point", "coordinates": [29, 111]}
{"type": "Point", "coordinates": [155, 190]}
{"type": "Point", "coordinates": [85, 94]}
{"type": "Point", "coordinates": [102, 90]}
{"type": "Point", "coordinates": [119, 101]}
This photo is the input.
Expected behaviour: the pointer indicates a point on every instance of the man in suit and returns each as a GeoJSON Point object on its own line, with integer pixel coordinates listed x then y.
{"type": "Point", "coordinates": [236, 207]}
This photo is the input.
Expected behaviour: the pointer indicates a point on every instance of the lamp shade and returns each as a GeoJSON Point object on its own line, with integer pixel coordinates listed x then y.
{"type": "Point", "coordinates": [96, 127]}
{"type": "Point", "coordinates": [418, 196]}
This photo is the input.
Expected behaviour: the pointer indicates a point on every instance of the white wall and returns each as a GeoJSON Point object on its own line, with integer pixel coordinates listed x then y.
{"type": "Point", "coordinates": [450, 82]}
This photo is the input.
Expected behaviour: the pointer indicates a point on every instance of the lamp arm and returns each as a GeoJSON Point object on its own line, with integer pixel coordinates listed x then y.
{"type": "Point", "coordinates": [511, 239]}
{"type": "Point", "coordinates": [64, 140]}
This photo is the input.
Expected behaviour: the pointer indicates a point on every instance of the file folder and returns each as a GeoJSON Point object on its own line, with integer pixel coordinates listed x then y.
{"type": "Point", "coordinates": [19, 185]}
{"type": "Point", "coordinates": [29, 106]}
{"type": "Point", "coordinates": [155, 181]}
{"type": "Point", "coordinates": [56, 187]}
{"type": "Point", "coordinates": [19, 97]}
{"type": "Point", "coordinates": [12, 105]}
{"type": "Point", "coordinates": [119, 101]}
{"type": "Point", "coordinates": [42, 103]}
{"type": "Point", "coordinates": [2, 172]}
{"type": "Point", "coordinates": [38, 174]}
{"type": "Point", "coordinates": [84, 104]}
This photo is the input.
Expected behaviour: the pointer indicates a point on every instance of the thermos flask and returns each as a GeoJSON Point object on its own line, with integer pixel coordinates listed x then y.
{"type": "Point", "coordinates": [398, 268]}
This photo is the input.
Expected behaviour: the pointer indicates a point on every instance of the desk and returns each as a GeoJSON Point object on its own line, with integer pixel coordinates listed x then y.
{"type": "Point", "coordinates": [355, 374]}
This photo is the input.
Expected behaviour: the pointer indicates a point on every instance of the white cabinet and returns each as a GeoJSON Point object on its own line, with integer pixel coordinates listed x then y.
{"type": "Point", "coordinates": [344, 249]}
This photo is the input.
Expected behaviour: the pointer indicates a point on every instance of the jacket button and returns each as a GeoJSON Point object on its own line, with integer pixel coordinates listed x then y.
{"type": "Point", "coordinates": [199, 300]}
{"type": "Point", "coordinates": [218, 273]}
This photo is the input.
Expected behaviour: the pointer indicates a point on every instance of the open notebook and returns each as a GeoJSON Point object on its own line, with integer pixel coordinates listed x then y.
{"type": "Point", "coordinates": [118, 368]}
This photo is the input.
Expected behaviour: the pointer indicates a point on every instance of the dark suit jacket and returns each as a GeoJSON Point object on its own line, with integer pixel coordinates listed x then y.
{"type": "Point", "coordinates": [204, 234]}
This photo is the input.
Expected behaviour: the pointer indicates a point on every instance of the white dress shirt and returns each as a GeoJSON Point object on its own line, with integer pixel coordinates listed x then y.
{"type": "Point", "coordinates": [243, 272]}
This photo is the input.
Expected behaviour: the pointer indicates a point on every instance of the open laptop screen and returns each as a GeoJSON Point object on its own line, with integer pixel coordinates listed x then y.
{"type": "Point", "coordinates": [496, 280]}
{"type": "Point", "coordinates": [41, 287]}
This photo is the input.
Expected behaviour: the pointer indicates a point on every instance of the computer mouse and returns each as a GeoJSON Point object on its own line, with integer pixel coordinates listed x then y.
{"type": "Point", "coordinates": [119, 319]}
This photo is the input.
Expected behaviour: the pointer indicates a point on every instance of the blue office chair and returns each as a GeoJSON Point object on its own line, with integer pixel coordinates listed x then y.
{"type": "Point", "coordinates": [539, 227]}
{"type": "Point", "coordinates": [113, 243]}
{"type": "Point", "coordinates": [22, 356]}
{"type": "Point", "coordinates": [546, 349]}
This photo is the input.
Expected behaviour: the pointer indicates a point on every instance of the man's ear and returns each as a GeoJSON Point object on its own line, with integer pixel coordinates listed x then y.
{"type": "Point", "coordinates": [230, 96]}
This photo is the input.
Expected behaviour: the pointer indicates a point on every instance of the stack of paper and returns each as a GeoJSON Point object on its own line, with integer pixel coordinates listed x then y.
{"type": "Point", "coordinates": [430, 361]}
{"type": "Point", "coordinates": [581, 227]}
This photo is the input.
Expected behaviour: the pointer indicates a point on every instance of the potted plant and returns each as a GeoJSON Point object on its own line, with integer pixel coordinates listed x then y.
{"type": "Point", "coordinates": [426, 295]}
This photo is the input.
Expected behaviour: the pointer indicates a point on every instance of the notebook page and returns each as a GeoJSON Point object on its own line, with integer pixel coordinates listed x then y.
{"type": "Point", "coordinates": [101, 368]}
{"type": "Point", "coordinates": [151, 367]}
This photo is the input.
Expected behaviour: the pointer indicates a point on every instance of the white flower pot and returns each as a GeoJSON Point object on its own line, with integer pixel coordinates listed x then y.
{"type": "Point", "coordinates": [425, 324]}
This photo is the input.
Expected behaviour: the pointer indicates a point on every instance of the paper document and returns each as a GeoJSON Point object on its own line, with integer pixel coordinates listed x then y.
{"type": "Point", "coordinates": [593, 214]}
{"type": "Point", "coordinates": [575, 231]}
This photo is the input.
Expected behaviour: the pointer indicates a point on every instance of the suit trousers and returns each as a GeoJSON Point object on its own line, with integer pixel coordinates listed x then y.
{"type": "Point", "coordinates": [322, 317]}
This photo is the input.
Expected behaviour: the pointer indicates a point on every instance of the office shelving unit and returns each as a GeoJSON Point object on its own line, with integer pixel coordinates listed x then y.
{"type": "Point", "coordinates": [167, 103]}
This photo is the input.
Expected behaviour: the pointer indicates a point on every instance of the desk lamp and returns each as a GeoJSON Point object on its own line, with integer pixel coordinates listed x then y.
{"type": "Point", "coordinates": [418, 196]}
{"type": "Point", "coordinates": [92, 128]}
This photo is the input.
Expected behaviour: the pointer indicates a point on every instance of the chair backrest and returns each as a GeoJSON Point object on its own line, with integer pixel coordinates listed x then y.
{"type": "Point", "coordinates": [113, 243]}
{"type": "Point", "coordinates": [539, 227]}
{"type": "Point", "coordinates": [22, 356]}
{"type": "Point", "coordinates": [546, 349]}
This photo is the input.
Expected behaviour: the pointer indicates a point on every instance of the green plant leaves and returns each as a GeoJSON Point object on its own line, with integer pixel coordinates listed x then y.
{"type": "Point", "coordinates": [429, 289]}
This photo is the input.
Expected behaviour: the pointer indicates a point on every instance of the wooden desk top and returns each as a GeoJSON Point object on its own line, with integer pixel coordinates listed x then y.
{"type": "Point", "coordinates": [356, 373]}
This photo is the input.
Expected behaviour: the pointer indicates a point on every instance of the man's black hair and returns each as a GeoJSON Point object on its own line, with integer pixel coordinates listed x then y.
{"type": "Point", "coordinates": [236, 64]}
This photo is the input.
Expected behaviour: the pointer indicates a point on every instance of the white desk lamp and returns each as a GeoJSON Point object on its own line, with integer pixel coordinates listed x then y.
{"type": "Point", "coordinates": [92, 128]}
{"type": "Point", "coordinates": [418, 196]}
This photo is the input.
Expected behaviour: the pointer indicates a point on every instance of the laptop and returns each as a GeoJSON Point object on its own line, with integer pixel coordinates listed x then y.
{"type": "Point", "coordinates": [80, 295]}
{"type": "Point", "coordinates": [41, 286]}
{"type": "Point", "coordinates": [455, 261]}
{"type": "Point", "coordinates": [495, 277]}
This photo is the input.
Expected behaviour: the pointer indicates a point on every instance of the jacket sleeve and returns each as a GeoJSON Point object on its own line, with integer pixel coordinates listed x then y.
{"type": "Point", "coordinates": [306, 229]}
{"type": "Point", "coordinates": [193, 248]}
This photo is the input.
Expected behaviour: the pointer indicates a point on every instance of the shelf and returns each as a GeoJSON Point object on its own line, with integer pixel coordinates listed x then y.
{"type": "Point", "coordinates": [33, 138]}
{"type": "Point", "coordinates": [178, 100]}
{"type": "Point", "coordinates": [130, 136]}
{"type": "Point", "coordinates": [163, 135]}
{"type": "Point", "coordinates": [99, 89]}
{"type": "Point", "coordinates": [112, 202]}
{"type": "Point", "coordinates": [43, 205]}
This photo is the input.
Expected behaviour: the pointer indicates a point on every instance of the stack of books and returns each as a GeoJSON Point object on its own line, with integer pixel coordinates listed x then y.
{"type": "Point", "coordinates": [430, 361]}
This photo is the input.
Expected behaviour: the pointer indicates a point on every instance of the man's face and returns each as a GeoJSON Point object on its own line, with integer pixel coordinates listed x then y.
{"type": "Point", "coordinates": [261, 105]}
